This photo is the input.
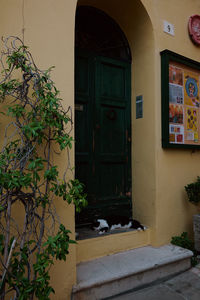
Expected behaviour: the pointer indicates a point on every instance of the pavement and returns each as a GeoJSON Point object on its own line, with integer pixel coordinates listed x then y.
{"type": "Point", "coordinates": [185, 286]}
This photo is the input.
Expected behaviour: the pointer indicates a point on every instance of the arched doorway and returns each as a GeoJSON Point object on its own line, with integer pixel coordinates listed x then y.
{"type": "Point", "coordinates": [102, 114]}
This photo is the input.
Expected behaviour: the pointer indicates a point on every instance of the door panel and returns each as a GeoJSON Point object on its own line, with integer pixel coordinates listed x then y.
{"type": "Point", "coordinates": [111, 76]}
{"type": "Point", "coordinates": [82, 76]}
{"type": "Point", "coordinates": [113, 126]}
{"type": "Point", "coordinates": [102, 135]}
{"type": "Point", "coordinates": [83, 119]}
{"type": "Point", "coordinates": [111, 180]}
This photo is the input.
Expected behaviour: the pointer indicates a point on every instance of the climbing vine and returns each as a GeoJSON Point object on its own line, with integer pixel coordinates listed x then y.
{"type": "Point", "coordinates": [37, 130]}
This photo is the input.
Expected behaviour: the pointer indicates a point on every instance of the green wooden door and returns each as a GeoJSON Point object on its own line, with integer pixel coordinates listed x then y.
{"type": "Point", "coordinates": [102, 134]}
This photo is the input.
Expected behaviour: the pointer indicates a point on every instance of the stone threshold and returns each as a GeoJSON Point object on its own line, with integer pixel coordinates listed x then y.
{"type": "Point", "coordinates": [114, 274]}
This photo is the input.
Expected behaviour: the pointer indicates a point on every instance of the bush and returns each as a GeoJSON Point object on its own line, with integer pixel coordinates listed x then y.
{"type": "Point", "coordinates": [185, 242]}
{"type": "Point", "coordinates": [193, 191]}
{"type": "Point", "coordinates": [38, 132]}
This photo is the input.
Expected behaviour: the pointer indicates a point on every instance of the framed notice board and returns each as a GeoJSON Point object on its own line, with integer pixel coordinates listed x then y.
{"type": "Point", "coordinates": [180, 79]}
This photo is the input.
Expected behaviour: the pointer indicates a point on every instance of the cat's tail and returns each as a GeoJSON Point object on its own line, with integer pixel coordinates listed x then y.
{"type": "Point", "coordinates": [137, 225]}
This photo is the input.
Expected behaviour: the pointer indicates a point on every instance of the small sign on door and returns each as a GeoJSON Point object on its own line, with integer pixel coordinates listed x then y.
{"type": "Point", "coordinates": [139, 107]}
{"type": "Point", "coordinates": [79, 107]}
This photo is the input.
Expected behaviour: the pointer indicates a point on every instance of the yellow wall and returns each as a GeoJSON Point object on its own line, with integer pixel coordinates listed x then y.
{"type": "Point", "coordinates": [49, 32]}
{"type": "Point", "coordinates": [113, 243]}
{"type": "Point", "coordinates": [174, 168]}
{"type": "Point", "coordinates": [159, 175]}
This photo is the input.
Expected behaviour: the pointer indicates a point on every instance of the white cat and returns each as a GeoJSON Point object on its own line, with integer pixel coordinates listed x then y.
{"type": "Point", "coordinates": [114, 222]}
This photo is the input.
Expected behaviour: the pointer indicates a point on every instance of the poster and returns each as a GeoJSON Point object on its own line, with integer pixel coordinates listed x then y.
{"type": "Point", "coordinates": [175, 113]}
{"type": "Point", "coordinates": [175, 94]}
{"type": "Point", "coordinates": [184, 104]}
{"type": "Point", "coordinates": [191, 88]}
{"type": "Point", "coordinates": [176, 134]}
{"type": "Point", "coordinates": [192, 124]}
{"type": "Point", "coordinates": [175, 75]}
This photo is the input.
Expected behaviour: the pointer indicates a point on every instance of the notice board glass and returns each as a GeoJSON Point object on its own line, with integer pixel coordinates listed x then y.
{"type": "Point", "coordinates": [180, 86]}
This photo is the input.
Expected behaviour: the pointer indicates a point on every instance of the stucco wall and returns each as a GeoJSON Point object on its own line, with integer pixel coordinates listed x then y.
{"type": "Point", "coordinates": [49, 33]}
{"type": "Point", "coordinates": [174, 168]}
{"type": "Point", "coordinates": [159, 175]}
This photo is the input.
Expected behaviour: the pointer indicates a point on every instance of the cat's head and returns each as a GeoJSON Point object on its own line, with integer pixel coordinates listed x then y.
{"type": "Point", "coordinates": [95, 225]}
{"type": "Point", "coordinates": [100, 224]}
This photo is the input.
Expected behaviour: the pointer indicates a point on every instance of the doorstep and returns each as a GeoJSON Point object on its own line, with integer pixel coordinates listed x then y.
{"type": "Point", "coordinates": [95, 247]}
{"type": "Point", "coordinates": [118, 273]}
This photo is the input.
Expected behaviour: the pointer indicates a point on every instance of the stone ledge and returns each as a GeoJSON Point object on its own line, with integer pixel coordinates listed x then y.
{"type": "Point", "coordinates": [103, 245]}
{"type": "Point", "coordinates": [113, 274]}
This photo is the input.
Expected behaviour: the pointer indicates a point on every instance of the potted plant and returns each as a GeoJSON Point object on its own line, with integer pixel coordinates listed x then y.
{"type": "Point", "coordinates": [193, 193]}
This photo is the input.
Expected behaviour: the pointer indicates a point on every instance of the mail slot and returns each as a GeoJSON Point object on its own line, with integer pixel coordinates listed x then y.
{"type": "Point", "coordinates": [79, 107]}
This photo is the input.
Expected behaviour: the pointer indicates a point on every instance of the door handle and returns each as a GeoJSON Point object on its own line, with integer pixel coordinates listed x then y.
{"type": "Point", "coordinates": [111, 114]}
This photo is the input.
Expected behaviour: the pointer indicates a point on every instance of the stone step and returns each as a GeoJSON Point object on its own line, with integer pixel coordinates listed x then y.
{"type": "Point", "coordinates": [118, 273]}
